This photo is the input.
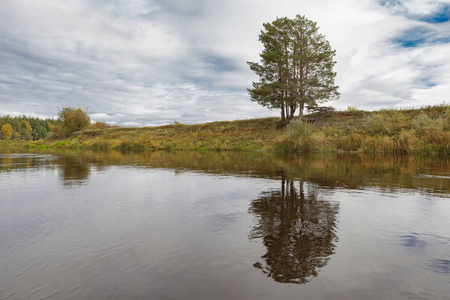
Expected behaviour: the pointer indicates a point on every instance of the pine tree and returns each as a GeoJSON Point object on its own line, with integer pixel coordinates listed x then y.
{"type": "Point", "coordinates": [296, 67]}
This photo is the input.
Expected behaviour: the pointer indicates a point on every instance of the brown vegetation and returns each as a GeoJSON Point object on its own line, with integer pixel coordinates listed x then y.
{"type": "Point", "coordinates": [425, 130]}
{"type": "Point", "coordinates": [399, 131]}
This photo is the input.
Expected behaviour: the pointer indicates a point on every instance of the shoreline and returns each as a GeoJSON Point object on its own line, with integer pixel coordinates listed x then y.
{"type": "Point", "coordinates": [425, 130]}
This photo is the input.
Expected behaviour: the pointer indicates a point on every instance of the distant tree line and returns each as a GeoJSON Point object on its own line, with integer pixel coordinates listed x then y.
{"type": "Point", "coordinates": [25, 128]}
{"type": "Point", "coordinates": [69, 120]}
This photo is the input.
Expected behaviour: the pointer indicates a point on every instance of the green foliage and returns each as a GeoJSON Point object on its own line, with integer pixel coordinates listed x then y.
{"type": "Point", "coordinates": [296, 66]}
{"type": "Point", "coordinates": [24, 128]}
{"type": "Point", "coordinates": [40, 132]}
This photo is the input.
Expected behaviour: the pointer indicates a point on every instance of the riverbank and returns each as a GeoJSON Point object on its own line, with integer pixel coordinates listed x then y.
{"type": "Point", "coordinates": [425, 130]}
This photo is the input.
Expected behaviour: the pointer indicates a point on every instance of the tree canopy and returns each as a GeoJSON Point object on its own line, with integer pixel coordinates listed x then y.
{"type": "Point", "coordinates": [296, 67]}
{"type": "Point", "coordinates": [25, 128]}
{"type": "Point", "coordinates": [6, 131]}
{"type": "Point", "coordinates": [73, 119]}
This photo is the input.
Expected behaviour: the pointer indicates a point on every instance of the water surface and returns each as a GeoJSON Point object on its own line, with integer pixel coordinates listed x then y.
{"type": "Point", "coordinates": [189, 225]}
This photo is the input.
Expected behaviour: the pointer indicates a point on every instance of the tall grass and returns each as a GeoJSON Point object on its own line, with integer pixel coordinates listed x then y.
{"type": "Point", "coordinates": [389, 130]}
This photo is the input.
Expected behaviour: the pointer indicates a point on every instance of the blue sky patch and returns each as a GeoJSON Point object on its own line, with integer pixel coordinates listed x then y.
{"type": "Point", "coordinates": [427, 82]}
{"type": "Point", "coordinates": [390, 3]}
{"type": "Point", "coordinates": [419, 36]}
{"type": "Point", "coordinates": [440, 15]}
{"type": "Point", "coordinates": [413, 37]}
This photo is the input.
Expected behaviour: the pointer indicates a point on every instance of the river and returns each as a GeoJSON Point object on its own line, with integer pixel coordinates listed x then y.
{"type": "Point", "coordinates": [223, 225]}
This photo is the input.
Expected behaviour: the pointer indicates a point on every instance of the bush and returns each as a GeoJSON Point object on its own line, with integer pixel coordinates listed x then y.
{"type": "Point", "coordinates": [428, 129]}
{"type": "Point", "coordinates": [377, 144]}
{"type": "Point", "coordinates": [386, 123]}
{"type": "Point", "coordinates": [297, 129]}
{"type": "Point", "coordinates": [319, 140]}
{"type": "Point", "coordinates": [99, 125]}
{"type": "Point", "coordinates": [384, 144]}
{"type": "Point", "coordinates": [350, 142]}
{"type": "Point", "coordinates": [407, 141]}
{"type": "Point", "coordinates": [298, 137]}
{"type": "Point", "coordinates": [368, 144]}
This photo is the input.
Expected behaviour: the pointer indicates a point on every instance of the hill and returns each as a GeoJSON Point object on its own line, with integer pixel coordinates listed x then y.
{"type": "Point", "coordinates": [390, 130]}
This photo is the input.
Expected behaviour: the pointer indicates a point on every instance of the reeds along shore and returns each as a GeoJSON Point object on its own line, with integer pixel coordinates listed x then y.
{"type": "Point", "coordinates": [425, 130]}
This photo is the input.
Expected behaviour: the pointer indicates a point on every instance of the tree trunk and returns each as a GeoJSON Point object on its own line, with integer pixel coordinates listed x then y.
{"type": "Point", "coordinates": [288, 112]}
{"type": "Point", "coordinates": [300, 110]}
{"type": "Point", "coordinates": [293, 108]}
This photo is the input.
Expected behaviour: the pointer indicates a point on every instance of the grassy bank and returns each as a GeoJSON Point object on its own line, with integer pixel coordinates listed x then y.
{"type": "Point", "coordinates": [255, 134]}
{"type": "Point", "coordinates": [425, 130]}
{"type": "Point", "coordinates": [422, 130]}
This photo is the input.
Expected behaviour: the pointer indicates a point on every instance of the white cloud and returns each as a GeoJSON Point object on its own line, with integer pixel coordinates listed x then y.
{"type": "Point", "coordinates": [133, 124]}
{"type": "Point", "coordinates": [152, 62]}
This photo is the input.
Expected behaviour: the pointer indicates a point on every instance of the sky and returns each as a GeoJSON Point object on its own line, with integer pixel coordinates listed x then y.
{"type": "Point", "coordinates": [154, 62]}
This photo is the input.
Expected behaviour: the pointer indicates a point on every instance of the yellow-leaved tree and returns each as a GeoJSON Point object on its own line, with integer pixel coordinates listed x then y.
{"type": "Point", "coordinates": [6, 132]}
{"type": "Point", "coordinates": [73, 119]}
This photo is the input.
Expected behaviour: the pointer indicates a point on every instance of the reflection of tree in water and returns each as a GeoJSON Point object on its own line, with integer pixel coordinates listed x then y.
{"type": "Point", "coordinates": [298, 231]}
{"type": "Point", "coordinates": [74, 170]}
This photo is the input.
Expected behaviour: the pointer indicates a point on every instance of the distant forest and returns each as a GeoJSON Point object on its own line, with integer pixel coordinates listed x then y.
{"type": "Point", "coordinates": [25, 128]}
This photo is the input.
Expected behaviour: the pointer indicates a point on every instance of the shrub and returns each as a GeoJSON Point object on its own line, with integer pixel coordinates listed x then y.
{"type": "Point", "coordinates": [407, 141]}
{"type": "Point", "coordinates": [428, 129]}
{"type": "Point", "coordinates": [384, 144]}
{"type": "Point", "coordinates": [299, 134]}
{"type": "Point", "coordinates": [319, 139]}
{"type": "Point", "coordinates": [368, 144]}
{"type": "Point", "coordinates": [350, 142]}
{"type": "Point", "coordinates": [298, 137]}
{"type": "Point", "coordinates": [329, 131]}
{"type": "Point", "coordinates": [297, 129]}
{"type": "Point", "coordinates": [99, 125]}
{"type": "Point", "coordinates": [386, 122]}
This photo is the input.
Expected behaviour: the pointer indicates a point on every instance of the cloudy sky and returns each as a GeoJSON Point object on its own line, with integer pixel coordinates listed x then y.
{"type": "Point", "coordinates": [151, 62]}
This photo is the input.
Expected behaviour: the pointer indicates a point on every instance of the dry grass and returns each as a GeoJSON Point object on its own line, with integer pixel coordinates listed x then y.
{"type": "Point", "coordinates": [237, 135]}
{"type": "Point", "coordinates": [422, 130]}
